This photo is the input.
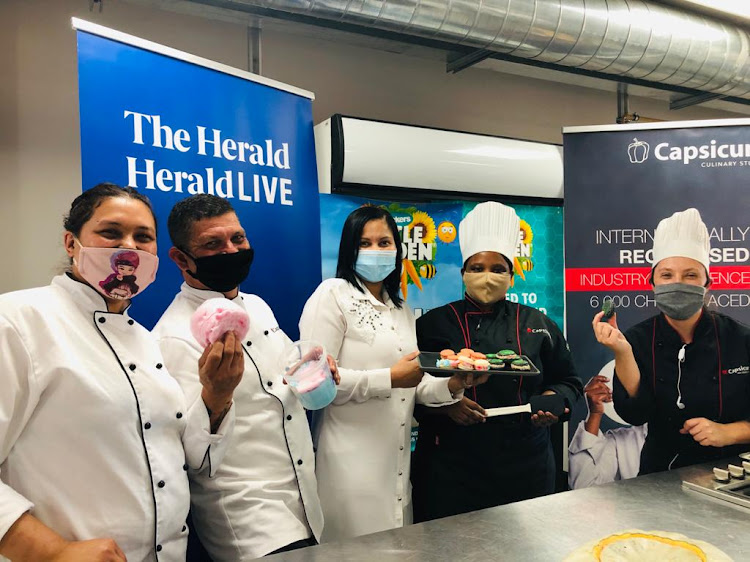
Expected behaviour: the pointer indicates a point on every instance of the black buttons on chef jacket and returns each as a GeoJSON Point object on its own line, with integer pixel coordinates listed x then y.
{"type": "Point", "coordinates": [270, 383]}
{"type": "Point", "coordinates": [249, 344]}
{"type": "Point", "coordinates": [401, 448]}
{"type": "Point", "coordinates": [185, 467]}
{"type": "Point", "coordinates": [102, 320]}
{"type": "Point", "coordinates": [299, 461]}
{"type": "Point", "coordinates": [184, 528]}
{"type": "Point", "coordinates": [178, 415]}
{"type": "Point", "coordinates": [161, 483]}
{"type": "Point", "coordinates": [131, 322]}
{"type": "Point", "coordinates": [159, 365]}
{"type": "Point", "coordinates": [399, 499]}
{"type": "Point", "coordinates": [403, 424]}
{"type": "Point", "coordinates": [147, 425]}
{"type": "Point", "coordinates": [265, 333]}
{"type": "Point", "coordinates": [158, 548]}
{"type": "Point", "coordinates": [131, 366]}
{"type": "Point", "coordinates": [400, 473]}
{"type": "Point", "coordinates": [403, 400]}
{"type": "Point", "coordinates": [289, 417]}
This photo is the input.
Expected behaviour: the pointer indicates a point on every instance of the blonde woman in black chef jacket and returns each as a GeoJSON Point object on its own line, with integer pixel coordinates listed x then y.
{"type": "Point", "coordinates": [685, 371]}
{"type": "Point", "coordinates": [463, 461]}
{"type": "Point", "coordinates": [96, 437]}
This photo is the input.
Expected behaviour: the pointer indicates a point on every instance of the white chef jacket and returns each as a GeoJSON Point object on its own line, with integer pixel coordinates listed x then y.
{"type": "Point", "coordinates": [264, 496]}
{"type": "Point", "coordinates": [363, 453]}
{"type": "Point", "coordinates": [606, 457]}
{"type": "Point", "coordinates": [95, 435]}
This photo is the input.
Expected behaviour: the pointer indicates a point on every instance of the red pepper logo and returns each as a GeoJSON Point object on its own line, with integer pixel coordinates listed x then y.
{"type": "Point", "coordinates": [638, 151]}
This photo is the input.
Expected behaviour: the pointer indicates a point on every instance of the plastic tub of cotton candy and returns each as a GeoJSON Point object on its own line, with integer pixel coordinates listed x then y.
{"type": "Point", "coordinates": [216, 317]}
{"type": "Point", "coordinates": [304, 366]}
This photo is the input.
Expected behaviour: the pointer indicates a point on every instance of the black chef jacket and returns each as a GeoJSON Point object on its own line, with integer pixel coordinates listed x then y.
{"type": "Point", "coordinates": [715, 384]}
{"type": "Point", "coordinates": [463, 468]}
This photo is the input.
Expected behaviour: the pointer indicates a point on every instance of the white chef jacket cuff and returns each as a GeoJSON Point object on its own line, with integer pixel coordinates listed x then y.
{"type": "Point", "coordinates": [585, 441]}
{"type": "Point", "coordinates": [12, 506]}
{"type": "Point", "coordinates": [205, 450]}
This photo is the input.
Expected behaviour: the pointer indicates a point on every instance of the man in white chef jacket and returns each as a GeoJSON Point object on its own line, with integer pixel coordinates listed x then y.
{"type": "Point", "coordinates": [596, 457]}
{"type": "Point", "coordinates": [264, 496]}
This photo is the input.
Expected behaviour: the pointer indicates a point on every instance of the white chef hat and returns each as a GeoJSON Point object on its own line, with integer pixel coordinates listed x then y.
{"type": "Point", "coordinates": [682, 235]}
{"type": "Point", "coordinates": [489, 227]}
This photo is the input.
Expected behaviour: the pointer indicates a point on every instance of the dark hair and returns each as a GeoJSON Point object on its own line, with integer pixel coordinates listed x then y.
{"type": "Point", "coordinates": [190, 210]}
{"type": "Point", "coordinates": [349, 249]}
{"type": "Point", "coordinates": [83, 206]}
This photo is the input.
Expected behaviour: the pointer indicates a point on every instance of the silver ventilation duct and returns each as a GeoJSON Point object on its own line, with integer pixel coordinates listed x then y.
{"type": "Point", "coordinates": [623, 38]}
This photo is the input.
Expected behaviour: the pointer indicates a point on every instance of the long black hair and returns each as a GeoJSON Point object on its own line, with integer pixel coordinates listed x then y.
{"type": "Point", "coordinates": [349, 249]}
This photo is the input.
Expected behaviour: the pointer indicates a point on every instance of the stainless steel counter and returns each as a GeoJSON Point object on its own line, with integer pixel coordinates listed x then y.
{"type": "Point", "coordinates": [548, 528]}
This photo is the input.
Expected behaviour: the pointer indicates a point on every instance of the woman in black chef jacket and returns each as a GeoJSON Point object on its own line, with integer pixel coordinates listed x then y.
{"type": "Point", "coordinates": [463, 461]}
{"type": "Point", "coordinates": [686, 371]}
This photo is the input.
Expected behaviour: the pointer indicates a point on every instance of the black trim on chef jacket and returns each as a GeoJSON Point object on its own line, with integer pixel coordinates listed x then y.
{"type": "Point", "coordinates": [505, 458]}
{"type": "Point", "coordinates": [157, 547]}
{"type": "Point", "coordinates": [283, 428]}
{"type": "Point", "coordinates": [715, 384]}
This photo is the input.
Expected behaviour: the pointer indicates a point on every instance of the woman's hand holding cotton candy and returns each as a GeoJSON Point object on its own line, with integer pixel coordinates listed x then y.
{"type": "Point", "coordinates": [220, 369]}
{"type": "Point", "coordinates": [334, 369]}
{"type": "Point", "coordinates": [609, 335]}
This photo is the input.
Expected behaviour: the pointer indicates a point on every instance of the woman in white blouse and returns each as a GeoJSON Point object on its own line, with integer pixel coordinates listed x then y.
{"type": "Point", "coordinates": [95, 436]}
{"type": "Point", "coordinates": [363, 454]}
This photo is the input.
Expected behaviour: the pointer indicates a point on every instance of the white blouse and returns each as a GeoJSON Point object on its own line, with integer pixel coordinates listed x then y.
{"type": "Point", "coordinates": [95, 436]}
{"type": "Point", "coordinates": [363, 453]}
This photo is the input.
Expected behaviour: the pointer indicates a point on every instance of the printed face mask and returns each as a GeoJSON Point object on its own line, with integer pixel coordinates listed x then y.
{"type": "Point", "coordinates": [375, 265]}
{"type": "Point", "coordinates": [487, 287]}
{"type": "Point", "coordinates": [679, 301]}
{"type": "Point", "coordinates": [116, 273]}
{"type": "Point", "coordinates": [223, 272]}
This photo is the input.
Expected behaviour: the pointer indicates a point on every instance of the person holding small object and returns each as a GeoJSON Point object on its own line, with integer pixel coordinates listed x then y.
{"type": "Point", "coordinates": [466, 461]}
{"type": "Point", "coordinates": [686, 371]}
{"type": "Point", "coordinates": [264, 498]}
{"type": "Point", "coordinates": [96, 438]}
{"type": "Point", "coordinates": [596, 457]}
{"type": "Point", "coordinates": [363, 453]}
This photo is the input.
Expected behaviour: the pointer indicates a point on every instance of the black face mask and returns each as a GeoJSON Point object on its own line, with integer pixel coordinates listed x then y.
{"type": "Point", "coordinates": [222, 272]}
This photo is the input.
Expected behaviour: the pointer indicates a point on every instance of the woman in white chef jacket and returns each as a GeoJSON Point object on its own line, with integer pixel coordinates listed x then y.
{"type": "Point", "coordinates": [95, 435]}
{"type": "Point", "coordinates": [363, 454]}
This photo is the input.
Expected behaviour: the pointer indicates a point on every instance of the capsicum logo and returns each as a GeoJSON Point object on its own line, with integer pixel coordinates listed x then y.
{"type": "Point", "coordinates": [638, 151]}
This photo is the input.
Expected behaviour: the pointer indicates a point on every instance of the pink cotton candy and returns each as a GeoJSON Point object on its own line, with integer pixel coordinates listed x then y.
{"type": "Point", "coordinates": [216, 317]}
{"type": "Point", "coordinates": [310, 380]}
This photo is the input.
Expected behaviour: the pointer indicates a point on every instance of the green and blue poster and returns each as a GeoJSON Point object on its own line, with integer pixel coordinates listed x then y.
{"type": "Point", "coordinates": [431, 271]}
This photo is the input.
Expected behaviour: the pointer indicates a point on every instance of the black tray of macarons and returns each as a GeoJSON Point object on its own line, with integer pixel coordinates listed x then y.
{"type": "Point", "coordinates": [501, 362]}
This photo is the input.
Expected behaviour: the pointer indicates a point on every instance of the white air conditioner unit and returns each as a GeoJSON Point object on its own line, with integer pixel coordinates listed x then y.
{"type": "Point", "coordinates": [357, 154]}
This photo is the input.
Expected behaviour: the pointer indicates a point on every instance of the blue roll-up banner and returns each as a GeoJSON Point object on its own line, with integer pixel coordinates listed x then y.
{"type": "Point", "coordinates": [619, 183]}
{"type": "Point", "coordinates": [172, 128]}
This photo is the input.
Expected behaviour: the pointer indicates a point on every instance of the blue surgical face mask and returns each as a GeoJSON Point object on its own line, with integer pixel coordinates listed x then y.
{"type": "Point", "coordinates": [375, 265]}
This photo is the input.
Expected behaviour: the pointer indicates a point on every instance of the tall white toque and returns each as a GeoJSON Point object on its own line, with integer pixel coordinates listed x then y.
{"type": "Point", "coordinates": [682, 235]}
{"type": "Point", "coordinates": [490, 227]}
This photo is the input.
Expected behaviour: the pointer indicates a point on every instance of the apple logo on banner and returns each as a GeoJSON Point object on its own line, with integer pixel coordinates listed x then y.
{"type": "Point", "coordinates": [638, 151]}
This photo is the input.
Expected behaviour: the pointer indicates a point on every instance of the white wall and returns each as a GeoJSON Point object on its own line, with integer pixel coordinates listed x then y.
{"type": "Point", "coordinates": [39, 137]}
